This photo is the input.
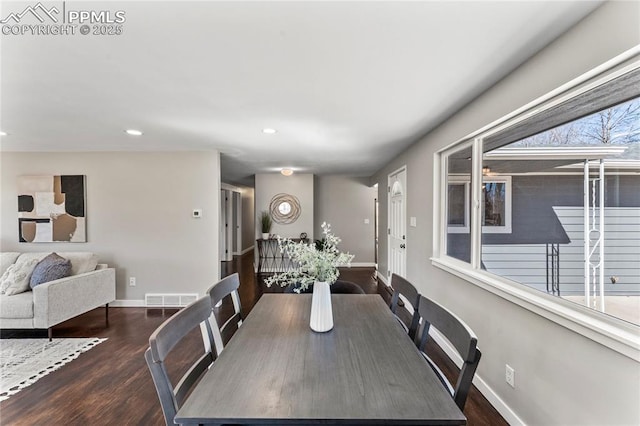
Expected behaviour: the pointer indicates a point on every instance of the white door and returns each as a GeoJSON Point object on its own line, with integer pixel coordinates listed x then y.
{"type": "Point", "coordinates": [397, 230]}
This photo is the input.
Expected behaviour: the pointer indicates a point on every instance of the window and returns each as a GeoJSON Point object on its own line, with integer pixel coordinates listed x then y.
{"type": "Point", "coordinates": [548, 200]}
{"type": "Point", "coordinates": [458, 206]}
{"type": "Point", "coordinates": [496, 205]}
{"type": "Point", "coordinates": [458, 178]}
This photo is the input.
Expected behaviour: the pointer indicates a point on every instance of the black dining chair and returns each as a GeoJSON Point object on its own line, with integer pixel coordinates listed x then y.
{"type": "Point", "coordinates": [163, 340]}
{"type": "Point", "coordinates": [461, 337]}
{"type": "Point", "coordinates": [228, 286]}
{"type": "Point", "coordinates": [339, 287]}
{"type": "Point", "coordinates": [408, 320]}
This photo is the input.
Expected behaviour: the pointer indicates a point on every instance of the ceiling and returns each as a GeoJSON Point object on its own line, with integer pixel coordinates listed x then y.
{"type": "Point", "coordinates": [347, 85]}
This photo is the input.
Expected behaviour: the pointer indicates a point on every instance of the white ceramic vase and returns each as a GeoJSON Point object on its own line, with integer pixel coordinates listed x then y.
{"type": "Point", "coordinates": [265, 235]}
{"type": "Point", "coordinates": [321, 313]}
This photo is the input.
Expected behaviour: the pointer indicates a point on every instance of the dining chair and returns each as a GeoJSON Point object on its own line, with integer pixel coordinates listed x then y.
{"type": "Point", "coordinates": [339, 287]}
{"type": "Point", "coordinates": [228, 286]}
{"type": "Point", "coordinates": [461, 337]}
{"type": "Point", "coordinates": [163, 340]}
{"type": "Point", "coordinates": [346, 287]}
{"type": "Point", "coordinates": [403, 287]}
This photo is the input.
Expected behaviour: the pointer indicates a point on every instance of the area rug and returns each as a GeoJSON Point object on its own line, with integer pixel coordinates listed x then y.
{"type": "Point", "coordinates": [24, 361]}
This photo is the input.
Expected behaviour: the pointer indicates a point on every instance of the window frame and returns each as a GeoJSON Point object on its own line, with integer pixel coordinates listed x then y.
{"type": "Point", "coordinates": [610, 331]}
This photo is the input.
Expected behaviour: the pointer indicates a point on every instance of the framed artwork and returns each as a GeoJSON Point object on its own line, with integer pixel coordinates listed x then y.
{"type": "Point", "coordinates": [52, 209]}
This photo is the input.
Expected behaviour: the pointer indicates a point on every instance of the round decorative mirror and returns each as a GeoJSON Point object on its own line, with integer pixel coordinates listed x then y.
{"type": "Point", "coordinates": [284, 208]}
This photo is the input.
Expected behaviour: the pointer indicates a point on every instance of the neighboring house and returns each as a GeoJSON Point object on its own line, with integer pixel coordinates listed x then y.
{"type": "Point", "coordinates": [534, 219]}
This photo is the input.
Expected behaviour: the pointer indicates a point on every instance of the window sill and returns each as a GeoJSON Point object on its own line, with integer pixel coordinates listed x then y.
{"type": "Point", "coordinates": [618, 335]}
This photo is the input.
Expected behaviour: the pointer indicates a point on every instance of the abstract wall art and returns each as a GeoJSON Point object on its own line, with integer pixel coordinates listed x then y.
{"type": "Point", "coordinates": [51, 209]}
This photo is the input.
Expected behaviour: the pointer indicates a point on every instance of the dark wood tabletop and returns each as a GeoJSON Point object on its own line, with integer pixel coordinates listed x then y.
{"type": "Point", "coordinates": [276, 370]}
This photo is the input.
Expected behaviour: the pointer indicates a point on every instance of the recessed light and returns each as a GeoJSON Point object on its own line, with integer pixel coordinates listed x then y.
{"type": "Point", "coordinates": [286, 172]}
{"type": "Point", "coordinates": [269, 131]}
{"type": "Point", "coordinates": [3, 133]}
{"type": "Point", "coordinates": [134, 132]}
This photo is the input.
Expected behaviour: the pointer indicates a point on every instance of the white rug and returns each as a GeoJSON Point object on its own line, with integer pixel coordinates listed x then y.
{"type": "Point", "coordinates": [25, 361]}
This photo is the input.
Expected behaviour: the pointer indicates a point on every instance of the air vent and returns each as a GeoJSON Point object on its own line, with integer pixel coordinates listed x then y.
{"type": "Point", "coordinates": [166, 300]}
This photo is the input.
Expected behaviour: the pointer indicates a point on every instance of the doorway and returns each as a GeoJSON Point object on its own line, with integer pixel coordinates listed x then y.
{"type": "Point", "coordinates": [397, 229]}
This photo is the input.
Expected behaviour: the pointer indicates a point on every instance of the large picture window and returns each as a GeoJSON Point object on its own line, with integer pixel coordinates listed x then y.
{"type": "Point", "coordinates": [550, 199]}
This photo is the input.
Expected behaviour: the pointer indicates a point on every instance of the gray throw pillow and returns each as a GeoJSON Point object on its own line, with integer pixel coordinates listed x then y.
{"type": "Point", "coordinates": [52, 267]}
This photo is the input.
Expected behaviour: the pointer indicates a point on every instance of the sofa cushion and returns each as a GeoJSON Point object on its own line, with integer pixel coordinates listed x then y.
{"type": "Point", "coordinates": [28, 257]}
{"type": "Point", "coordinates": [52, 267]}
{"type": "Point", "coordinates": [81, 262]}
{"type": "Point", "coordinates": [17, 306]}
{"type": "Point", "coordinates": [17, 277]}
{"type": "Point", "coordinates": [6, 260]}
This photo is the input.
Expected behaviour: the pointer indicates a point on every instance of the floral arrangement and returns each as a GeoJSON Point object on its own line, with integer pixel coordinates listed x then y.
{"type": "Point", "coordinates": [313, 263]}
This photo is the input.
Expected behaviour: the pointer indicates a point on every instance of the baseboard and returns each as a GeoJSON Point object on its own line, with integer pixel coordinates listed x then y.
{"type": "Point", "coordinates": [247, 250]}
{"type": "Point", "coordinates": [362, 264]}
{"type": "Point", "coordinates": [509, 415]}
{"type": "Point", "coordinates": [383, 278]}
{"type": "Point", "coordinates": [127, 303]}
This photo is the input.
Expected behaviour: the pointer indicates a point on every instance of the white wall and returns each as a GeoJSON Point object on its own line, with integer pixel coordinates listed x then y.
{"type": "Point", "coordinates": [138, 214]}
{"type": "Point", "coordinates": [561, 376]}
{"type": "Point", "coordinates": [300, 185]}
{"type": "Point", "coordinates": [345, 202]}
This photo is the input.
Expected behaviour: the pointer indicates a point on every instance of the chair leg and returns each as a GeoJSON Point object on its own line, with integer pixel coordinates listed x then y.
{"type": "Point", "coordinates": [106, 314]}
{"type": "Point", "coordinates": [50, 333]}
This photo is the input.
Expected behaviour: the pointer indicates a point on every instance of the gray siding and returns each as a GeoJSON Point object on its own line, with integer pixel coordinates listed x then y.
{"type": "Point", "coordinates": [526, 263]}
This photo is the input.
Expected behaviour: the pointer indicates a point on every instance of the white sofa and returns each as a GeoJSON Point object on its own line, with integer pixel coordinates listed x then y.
{"type": "Point", "coordinates": [89, 286]}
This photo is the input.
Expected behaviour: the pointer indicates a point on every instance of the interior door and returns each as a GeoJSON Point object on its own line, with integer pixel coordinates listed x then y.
{"type": "Point", "coordinates": [226, 224]}
{"type": "Point", "coordinates": [397, 230]}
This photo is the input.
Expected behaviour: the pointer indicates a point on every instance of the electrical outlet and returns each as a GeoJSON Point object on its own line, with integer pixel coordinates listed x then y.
{"type": "Point", "coordinates": [132, 281]}
{"type": "Point", "coordinates": [510, 375]}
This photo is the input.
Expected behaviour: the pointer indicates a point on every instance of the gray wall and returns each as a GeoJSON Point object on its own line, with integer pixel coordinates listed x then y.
{"type": "Point", "coordinates": [301, 185]}
{"type": "Point", "coordinates": [248, 218]}
{"type": "Point", "coordinates": [345, 202]}
{"type": "Point", "coordinates": [138, 214]}
{"type": "Point", "coordinates": [561, 377]}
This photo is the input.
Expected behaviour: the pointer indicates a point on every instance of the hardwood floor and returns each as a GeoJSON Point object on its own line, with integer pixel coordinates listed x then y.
{"type": "Point", "coordinates": [110, 384]}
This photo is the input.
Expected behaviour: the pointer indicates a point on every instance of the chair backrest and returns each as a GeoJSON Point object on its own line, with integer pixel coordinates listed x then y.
{"type": "Point", "coordinates": [461, 337]}
{"type": "Point", "coordinates": [403, 287]}
{"type": "Point", "coordinates": [163, 340]}
{"type": "Point", "coordinates": [346, 287]}
{"type": "Point", "coordinates": [223, 288]}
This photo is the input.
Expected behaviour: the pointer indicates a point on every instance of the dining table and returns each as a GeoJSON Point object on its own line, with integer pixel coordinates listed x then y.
{"type": "Point", "coordinates": [277, 371]}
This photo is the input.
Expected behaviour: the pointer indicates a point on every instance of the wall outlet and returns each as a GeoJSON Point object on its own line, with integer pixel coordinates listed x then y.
{"type": "Point", "coordinates": [366, 221]}
{"type": "Point", "coordinates": [132, 281]}
{"type": "Point", "coordinates": [510, 375]}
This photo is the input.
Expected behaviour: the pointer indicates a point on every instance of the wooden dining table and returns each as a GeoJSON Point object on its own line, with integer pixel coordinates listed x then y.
{"type": "Point", "coordinates": [276, 370]}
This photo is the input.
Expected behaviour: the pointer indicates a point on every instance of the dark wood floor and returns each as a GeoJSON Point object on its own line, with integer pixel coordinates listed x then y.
{"type": "Point", "coordinates": [110, 384]}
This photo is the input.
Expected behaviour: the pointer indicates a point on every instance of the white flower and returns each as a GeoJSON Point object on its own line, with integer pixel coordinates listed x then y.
{"type": "Point", "coordinates": [312, 264]}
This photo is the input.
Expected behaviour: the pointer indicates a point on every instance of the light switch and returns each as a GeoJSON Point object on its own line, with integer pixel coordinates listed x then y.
{"type": "Point", "coordinates": [412, 221]}
{"type": "Point", "coordinates": [197, 213]}
{"type": "Point", "coordinates": [366, 221]}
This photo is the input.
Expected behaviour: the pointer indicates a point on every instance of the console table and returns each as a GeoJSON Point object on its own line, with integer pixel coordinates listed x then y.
{"type": "Point", "coordinates": [270, 259]}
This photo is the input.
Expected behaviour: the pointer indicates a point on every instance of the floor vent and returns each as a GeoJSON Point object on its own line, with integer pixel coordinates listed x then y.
{"type": "Point", "coordinates": [164, 300]}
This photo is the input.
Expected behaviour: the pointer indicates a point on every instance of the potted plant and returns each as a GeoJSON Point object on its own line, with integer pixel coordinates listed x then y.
{"type": "Point", "coordinates": [265, 224]}
{"type": "Point", "coordinates": [317, 266]}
